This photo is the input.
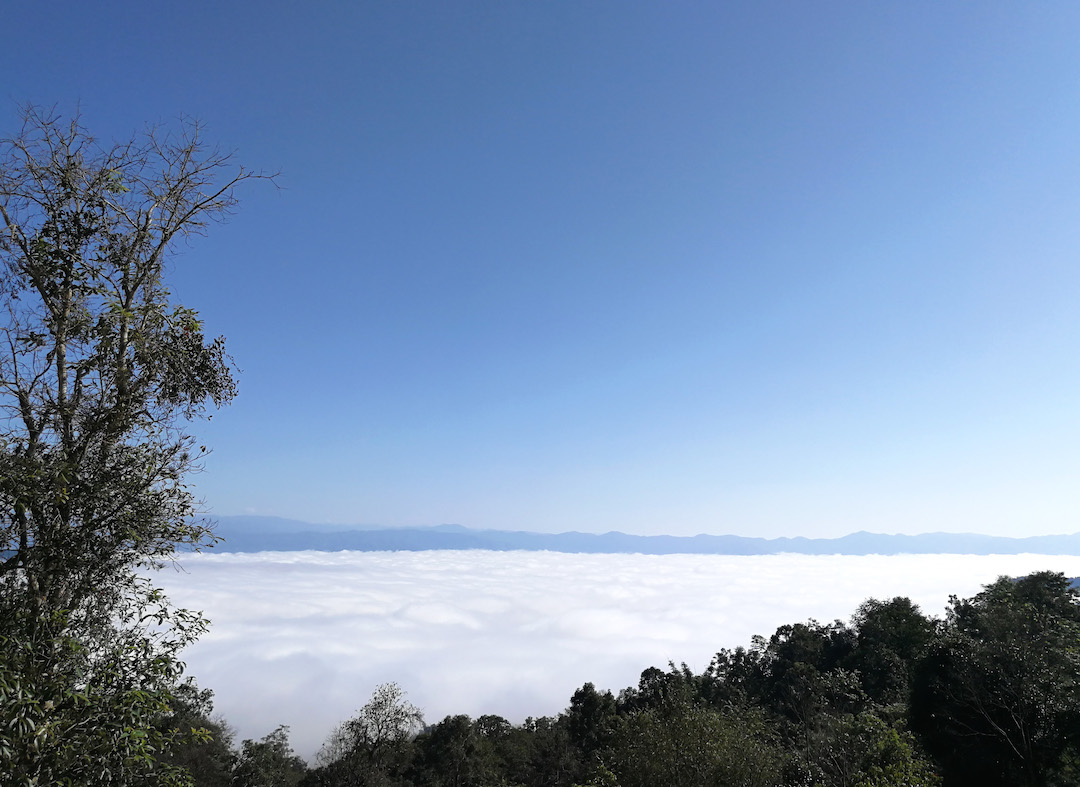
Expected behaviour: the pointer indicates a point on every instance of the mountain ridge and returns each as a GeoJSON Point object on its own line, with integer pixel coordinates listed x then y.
{"type": "Point", "coordinates": [266, 534]}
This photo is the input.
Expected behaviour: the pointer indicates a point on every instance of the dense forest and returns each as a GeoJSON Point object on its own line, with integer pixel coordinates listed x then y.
{"type": "Point", "coordinates": [988, 695]}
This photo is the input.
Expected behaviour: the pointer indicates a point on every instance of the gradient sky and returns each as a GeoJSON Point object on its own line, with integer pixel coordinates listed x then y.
{"type": "Point", "coordinates": [756, 268]}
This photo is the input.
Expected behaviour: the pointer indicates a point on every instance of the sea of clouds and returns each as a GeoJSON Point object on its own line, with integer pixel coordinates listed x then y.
{"type": "Point", "coordinates": [302, 638]}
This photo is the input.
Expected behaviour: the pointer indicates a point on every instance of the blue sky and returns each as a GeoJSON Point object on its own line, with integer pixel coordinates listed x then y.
{"type": "Point", "coordinates": [761, 268]}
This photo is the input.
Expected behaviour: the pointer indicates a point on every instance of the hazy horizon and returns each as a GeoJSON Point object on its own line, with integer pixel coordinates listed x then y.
{"type": "Point", "coordinates": [344, 525]}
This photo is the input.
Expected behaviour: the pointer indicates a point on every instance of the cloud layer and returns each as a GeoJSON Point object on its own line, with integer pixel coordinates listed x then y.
{"type": "Point", "coordinates": [302, 638]}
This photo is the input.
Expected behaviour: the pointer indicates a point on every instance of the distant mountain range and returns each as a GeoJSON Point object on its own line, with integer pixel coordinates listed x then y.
{"type": "Point", "coordinates": [261, 534]}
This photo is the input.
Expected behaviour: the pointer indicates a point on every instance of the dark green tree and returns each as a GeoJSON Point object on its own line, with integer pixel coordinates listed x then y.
{"type": "Point", "coordinates": [456, 753]}
{"type": "Point", "coordinates": [545, 757]}
{"type": "Point", "coordinates": [375, 747]}
{"type": "Point", "coordinates": [997, 699]}
{"type": "Point", "coordinates": [591, 720]}
{"type": "Point", "coordinates": [863, 750]}
{"type": "Point", "coordinates": [100, 373]}
{"type": "Point", "coordinates": [85, 710]}
{"type": "Point", "coordinates": [657, 689]}
{"type": "Point", "coordinates": [269, 762]}
{"type": "Point", "coordinates": [891, 638]}
{"type": "Point", "coordinates": [694, 746]}
{"type": "Point", "coordinates": [736, 676]}
{"type": "Point", "coordinates": [202, 742]}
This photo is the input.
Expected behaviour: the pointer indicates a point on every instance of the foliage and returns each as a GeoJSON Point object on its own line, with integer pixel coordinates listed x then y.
{"type": "Point", "coordinates": [861, 750]}
{"type": "Point", "coordinates": [75, 712]}
{"type": "Point", "coordinates": [997, 699]}
{"type": "Point", "coordinates": [456, 752]}
{"type": "Point", "coordinates": [99, 374]}
{"type": "Point", "coordinates": [694, 746]}
{"type": "Point", "coordinates": [372, 748]}
{"type": "Point", "coordinates": [892, 637]}
{"type": "Point", "coordinates": [542, 754]}
{"type": "Point", "coordinates": [269, 762]}
{"type": "Point", "coordinates": [882, 756]}
{"type": "Point", "coordinates": [591, 719]}
{"type": "Point", "coordinates": [202, 744]}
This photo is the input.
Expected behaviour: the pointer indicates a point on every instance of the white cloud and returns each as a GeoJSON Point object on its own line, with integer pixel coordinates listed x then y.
{"type": "Point", "coordinates": [302, 638]}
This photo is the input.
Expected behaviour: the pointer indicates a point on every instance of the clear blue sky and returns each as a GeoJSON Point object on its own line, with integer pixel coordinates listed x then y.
{"type": "Point", "coordinates": [759, 268]}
